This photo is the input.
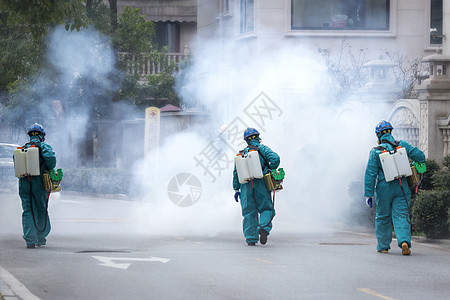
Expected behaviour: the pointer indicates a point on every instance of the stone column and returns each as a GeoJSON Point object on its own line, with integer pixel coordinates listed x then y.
{"type": "Point", "coordinates": [434, 97]}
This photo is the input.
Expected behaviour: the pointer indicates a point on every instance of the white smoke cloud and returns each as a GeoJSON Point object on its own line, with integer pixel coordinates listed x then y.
{"type": "Point", "coordinates": [323, 144]}
{"type": "Point", "coordinates": [322, 151]}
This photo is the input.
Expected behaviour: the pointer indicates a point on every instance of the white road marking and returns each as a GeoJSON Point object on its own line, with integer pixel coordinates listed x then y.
{"type": "Point", "coordinates": [16, 286]}
{"type": "Point", "coordinates": [109, 261]}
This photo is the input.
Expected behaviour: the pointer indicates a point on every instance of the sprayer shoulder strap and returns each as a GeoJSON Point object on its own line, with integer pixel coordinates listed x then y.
{"type": "Point", "coordinates": [381, 148]}
{"type": "Point", "coordinates": [393, 144]}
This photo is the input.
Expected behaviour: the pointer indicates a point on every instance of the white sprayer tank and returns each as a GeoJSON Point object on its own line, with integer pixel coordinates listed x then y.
{"type": "Point", "coordinates": [20, 162]}
{"type": "Point", "coordinates": [248, 166]}
{"type": "Point", "coordinates": [395, 165]}
{"type": "Point", "coordinates": [33, 161]}
{"type": "Point", "coordinates": [241, 168]}
{"type": "Point", "coordinates": [26, 162]}
{"type": "Point", "coordinates": [254, 165]}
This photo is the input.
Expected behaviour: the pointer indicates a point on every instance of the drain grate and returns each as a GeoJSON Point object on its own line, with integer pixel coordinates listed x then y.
{"type": "Point", "coordinates": [102, 251]}
{"type": "Point", "coordinates": [343, 244]}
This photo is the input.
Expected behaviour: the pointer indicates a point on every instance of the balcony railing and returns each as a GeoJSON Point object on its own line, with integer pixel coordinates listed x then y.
{"type": "Point", "coordinates": [143, 65]}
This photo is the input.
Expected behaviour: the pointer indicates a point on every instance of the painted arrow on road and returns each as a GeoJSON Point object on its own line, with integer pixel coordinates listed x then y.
{"type": "Point", "coordinates": [109, 261]}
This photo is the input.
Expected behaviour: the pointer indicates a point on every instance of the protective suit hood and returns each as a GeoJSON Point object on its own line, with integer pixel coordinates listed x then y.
{"type": "Point", "coordinates": [35, 139]}
{"type": "Point", "coordinates": [388, 137]}
{"type": "Point", "coordinates": [255, 142]}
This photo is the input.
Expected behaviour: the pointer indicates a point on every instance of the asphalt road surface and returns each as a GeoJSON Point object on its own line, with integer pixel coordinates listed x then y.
{"type": "Point", "coordinates": [94, 252]}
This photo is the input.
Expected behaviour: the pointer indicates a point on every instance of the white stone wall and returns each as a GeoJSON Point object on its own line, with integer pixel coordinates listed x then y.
{"type": "Point", "coordinates": [409, 31]}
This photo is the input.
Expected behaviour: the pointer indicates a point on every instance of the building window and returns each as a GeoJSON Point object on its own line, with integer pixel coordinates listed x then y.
{"type": "Point", "coordinates": [436, 21]}
{"type": "Point", "coordinates": [247, 15]}
{"type": "Point", "coordinates": [340, 15]}
{"type": "Point", "coordinates": [226, 7]}
{"type": "Point", "coordinates": [167, 34]}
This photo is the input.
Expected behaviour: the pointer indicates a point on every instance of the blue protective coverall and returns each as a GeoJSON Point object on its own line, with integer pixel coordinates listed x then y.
{"type": "Point", "coordinates": [390, 199]}
{"type": "Point", "coordinates": [258, 194]}
{"type": "Point", "coordinates": [35, 220]}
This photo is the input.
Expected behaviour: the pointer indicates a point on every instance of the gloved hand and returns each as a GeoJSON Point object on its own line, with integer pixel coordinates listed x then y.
{"type": "Point", "coordinates": [369, 202]}
{"type": "Point", "coordinates": [237, 195]}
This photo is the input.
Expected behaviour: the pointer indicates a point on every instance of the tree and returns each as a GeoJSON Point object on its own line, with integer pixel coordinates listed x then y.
{"type": "Point", "coordinates": [132, 36]}
{"type": "Point", "coordinates": [38, 15]}
{"type": "Point", "coordinates": [21, 55]}
{"type": "Point", "coordinates": [347, 68]}
{"type": "Point", "coordinates": [23, 27]}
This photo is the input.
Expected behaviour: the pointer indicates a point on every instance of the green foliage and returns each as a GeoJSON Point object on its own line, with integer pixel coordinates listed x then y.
{"type": "Point", "coordinates": [161, 84]}
{"type": "Point", "coordinates": [22, 63]}
{"type": "Point", "coordinates": [431, 207]}
{"type": "Point", "coordinates": [100, 16]}
{"type": "Point", "coordinates": [38, 15]}
{"type": "Point", "coordinates": [26, 97]}
{"type": "Point", "coordinates": [93, 180]}
{"type": "Point", "coordinates": [134, 34]}
{"type": "Point", "coordinates": [427, 180]}
{"type": "Point", "coordinates": [21, 54]}
{"type": "Point", "coordinates": [431, 213]}
{"type": "Point", "coordinates": [441, 179]}
{"type": "Point", "coordinates": [134, 37]}
{"type": "Point", "coordinates": [446, 161]}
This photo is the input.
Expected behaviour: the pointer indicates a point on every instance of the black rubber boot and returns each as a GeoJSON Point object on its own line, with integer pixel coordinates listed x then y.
{"type": "Point", "coordinates": [251, 244]}
{"type": "Point", "coordinates": [31, 246]}
{"type": "Point", "coordinates": [262, 236]}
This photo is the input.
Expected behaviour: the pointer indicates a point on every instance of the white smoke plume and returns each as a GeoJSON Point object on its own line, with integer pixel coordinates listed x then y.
{"type": "Point", "coordinates": [323, 144]}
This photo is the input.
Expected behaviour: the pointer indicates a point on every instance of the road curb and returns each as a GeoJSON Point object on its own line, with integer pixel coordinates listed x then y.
{"type": "Point", "coordinates": [443, 243]}
{"type": "Point", "coordinates": [5, 292]}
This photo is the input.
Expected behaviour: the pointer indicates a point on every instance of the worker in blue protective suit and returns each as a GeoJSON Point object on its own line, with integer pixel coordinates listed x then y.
{"type": "Point", "coordinates": [256, 203]}
{"type": "Point", "coordinates": [393, 197]}
{"type": "Point", "coordinates": [35, 220]}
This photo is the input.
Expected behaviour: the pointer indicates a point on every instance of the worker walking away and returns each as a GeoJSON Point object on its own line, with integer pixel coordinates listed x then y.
{"type": "Point", "coordinates": [256, 203]}
{"type": "Point", "coordinates": [35, 219]}
{"type": "Point", "coordinates": [385, 179]}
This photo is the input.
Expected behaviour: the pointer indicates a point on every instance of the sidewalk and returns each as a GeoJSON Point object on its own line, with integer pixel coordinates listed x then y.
{"type": "Point", "coordinates": [444, 243]}
{"type": "Point", "coordinates": [5, 292]}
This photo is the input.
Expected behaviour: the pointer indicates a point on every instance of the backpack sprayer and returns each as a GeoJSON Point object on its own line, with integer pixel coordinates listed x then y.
{"type": "Point", "coordinates": [27, 163]}
{"type": "Point", "coordinates": [248, 167]}
{"type": "Point", "coordinates": [395, 165]}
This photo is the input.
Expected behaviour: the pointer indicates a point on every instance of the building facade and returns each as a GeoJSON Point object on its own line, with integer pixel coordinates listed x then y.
{"type": "Point", "coordinates": [414, 29]}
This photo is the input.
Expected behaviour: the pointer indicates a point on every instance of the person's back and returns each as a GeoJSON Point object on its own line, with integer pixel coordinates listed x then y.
{"type": "Point", "coordinates": [35, 220]}
{"type": "Point", "coordinates": [256, 202]}
{"type": "Point", "coordinates": [392, 196]}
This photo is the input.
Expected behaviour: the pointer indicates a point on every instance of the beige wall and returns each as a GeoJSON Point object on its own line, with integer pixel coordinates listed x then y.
{"type": "Point", "coordinates": [409, 32]}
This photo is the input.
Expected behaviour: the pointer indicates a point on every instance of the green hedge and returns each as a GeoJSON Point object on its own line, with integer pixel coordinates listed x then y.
{"type": "Point", "coordinates": [97, 180]}
{"type": "Point", "coordinates": [431, 213]}
{"type": "Point", "coordinates": [427, 180]}
{"type": "Point", "coordinates": [431, 209]}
